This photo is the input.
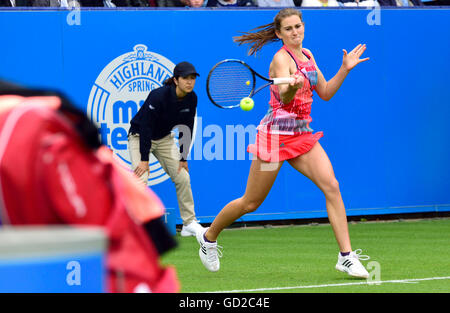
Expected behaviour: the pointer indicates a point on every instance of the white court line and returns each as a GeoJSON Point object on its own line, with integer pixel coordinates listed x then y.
{"type": "Point", "coordinates": [398, 281]}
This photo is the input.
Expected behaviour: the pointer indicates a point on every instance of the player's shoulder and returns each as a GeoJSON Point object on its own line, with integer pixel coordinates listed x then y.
{"type": "Point", "coordinates": [281, 58]}
{"type": "Point", "coordinates": [281, 55]}
{"type": "Point", "coordinates": [308, 52]}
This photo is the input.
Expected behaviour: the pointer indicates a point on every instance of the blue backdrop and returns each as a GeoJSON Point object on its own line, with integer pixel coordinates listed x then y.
{"type": "Point", "coordinates": [386, 131]}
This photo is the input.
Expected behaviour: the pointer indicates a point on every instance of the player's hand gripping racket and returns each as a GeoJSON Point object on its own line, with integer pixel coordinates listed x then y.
{"type": "Point", "coordinates": [231, 80]}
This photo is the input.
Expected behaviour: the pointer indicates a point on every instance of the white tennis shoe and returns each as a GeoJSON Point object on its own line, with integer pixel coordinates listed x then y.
{"type": "Point", "coordinates": [192, 229]}
{"type": "Point", "coordinates": [209, 252]}
{"type": "Point", "coordinates": [351, 265]}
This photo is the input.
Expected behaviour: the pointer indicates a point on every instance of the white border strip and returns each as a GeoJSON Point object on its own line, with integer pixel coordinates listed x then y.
{"type": "Point", "coordinates": [372, 282]}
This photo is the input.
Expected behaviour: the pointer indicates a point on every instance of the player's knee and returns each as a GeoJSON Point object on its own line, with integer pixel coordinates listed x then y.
{"type": "Point", "coordinates": [331, 186]}
{"type": "Point", "coordinates": [251, 206]}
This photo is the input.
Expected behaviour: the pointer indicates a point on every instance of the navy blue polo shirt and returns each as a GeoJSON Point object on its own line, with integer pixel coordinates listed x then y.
{"type": "Point", "coordinates": [158, 116]}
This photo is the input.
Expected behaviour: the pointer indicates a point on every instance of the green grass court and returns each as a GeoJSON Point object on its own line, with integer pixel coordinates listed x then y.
{"type": "Point", "coordinates": [413, 257]}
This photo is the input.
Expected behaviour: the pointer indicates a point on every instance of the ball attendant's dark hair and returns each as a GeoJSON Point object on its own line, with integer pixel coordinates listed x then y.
{"type": "Point", "coordinates": [170, 81]}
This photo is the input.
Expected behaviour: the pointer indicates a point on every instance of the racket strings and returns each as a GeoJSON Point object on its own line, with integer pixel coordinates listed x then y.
{"type": "Point", "coordinates": [229, 82]}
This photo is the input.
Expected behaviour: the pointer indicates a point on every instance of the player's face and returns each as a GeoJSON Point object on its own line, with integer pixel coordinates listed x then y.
{"type": "Point", "coordinates": [292, 30]}
{"type": "Point", "coordinates": [186, 84]}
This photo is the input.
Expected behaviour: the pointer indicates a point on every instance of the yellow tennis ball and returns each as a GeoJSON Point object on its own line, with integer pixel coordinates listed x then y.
{"type": "Point", "coordinates": [247, 103]}
{"type": "Point", "coordinates": [247, 83]}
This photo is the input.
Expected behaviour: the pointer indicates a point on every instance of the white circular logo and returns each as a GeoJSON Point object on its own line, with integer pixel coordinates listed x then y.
{"type": "Point", "coordinates": [119, 92]}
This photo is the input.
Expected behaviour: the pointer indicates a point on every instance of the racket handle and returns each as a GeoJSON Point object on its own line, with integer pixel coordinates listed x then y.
{"type": "Point", "coordinates": [283, 80]}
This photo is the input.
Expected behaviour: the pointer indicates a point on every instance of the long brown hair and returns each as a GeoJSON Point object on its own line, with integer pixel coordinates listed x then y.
{"type": "Point", "coordinates": [262, 35]}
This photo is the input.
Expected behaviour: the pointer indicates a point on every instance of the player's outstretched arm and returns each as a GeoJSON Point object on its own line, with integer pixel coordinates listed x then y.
{"type": "Point", "coordinates": [327, 89]}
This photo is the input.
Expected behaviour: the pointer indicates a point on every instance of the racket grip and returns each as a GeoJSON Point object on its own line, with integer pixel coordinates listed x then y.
{"type": "Point", "coordinates": [283, 80]}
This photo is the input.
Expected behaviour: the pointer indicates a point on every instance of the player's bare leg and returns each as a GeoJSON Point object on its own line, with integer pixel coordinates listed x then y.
{"type": "Point", "coordinates": [260, 180]}
{"type": "Point", "coordinates": [316, 166]}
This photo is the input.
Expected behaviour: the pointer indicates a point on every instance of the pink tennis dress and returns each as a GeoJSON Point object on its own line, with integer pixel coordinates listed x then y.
{"type": "Point", "coordinates": [284, 132]}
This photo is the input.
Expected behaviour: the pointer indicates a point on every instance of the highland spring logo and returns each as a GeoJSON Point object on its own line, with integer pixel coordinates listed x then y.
{"type": "Point", "coordinates": [121, 89]}
{"type": "Point", "coordinates": [119, 92]}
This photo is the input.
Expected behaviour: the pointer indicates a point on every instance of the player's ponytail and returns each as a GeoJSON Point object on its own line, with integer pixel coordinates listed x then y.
{"type": "Point", "coordinates": [262, 35]}
{"type": "Point", "coordinates": [257, 37]}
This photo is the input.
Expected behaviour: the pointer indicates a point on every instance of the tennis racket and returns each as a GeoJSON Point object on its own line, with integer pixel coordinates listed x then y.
{"type": "Point", "coordinates": [231, 80]}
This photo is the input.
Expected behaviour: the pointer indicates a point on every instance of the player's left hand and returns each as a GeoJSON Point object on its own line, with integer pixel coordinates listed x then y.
{"type": "Point", "coordinates": [350, 60]}
{"type": "Point", "coordinates": [183, 164]}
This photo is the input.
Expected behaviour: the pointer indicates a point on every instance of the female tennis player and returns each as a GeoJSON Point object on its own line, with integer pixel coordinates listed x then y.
{"type": "Point", "coordinates": [284, 135]}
